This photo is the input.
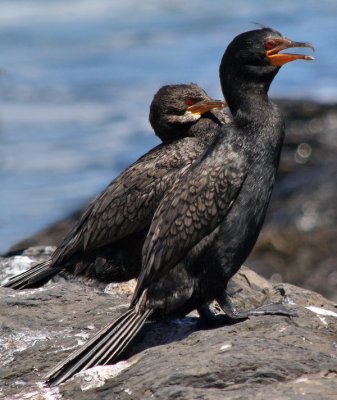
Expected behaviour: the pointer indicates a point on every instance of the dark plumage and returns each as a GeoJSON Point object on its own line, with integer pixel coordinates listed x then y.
{"type": "Point", "coordinates": [106, 243]}
{"type": "Point", "coordinates": [208, 222]}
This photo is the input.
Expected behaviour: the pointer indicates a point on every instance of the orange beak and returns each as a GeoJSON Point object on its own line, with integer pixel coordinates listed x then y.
{"type": "Point", "coordinates": [203, 106]}
{"type": "Point", "coordinates": [278, 59]}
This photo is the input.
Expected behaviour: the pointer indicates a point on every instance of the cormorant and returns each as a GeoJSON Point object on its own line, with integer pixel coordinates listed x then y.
{"type": "Point", "coordinates": [106, 242]}
{"type": "Point", "coordinates": [208, 222]}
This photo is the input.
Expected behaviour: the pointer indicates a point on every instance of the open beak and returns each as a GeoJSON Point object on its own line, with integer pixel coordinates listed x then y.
{"type": "Point", "coordinates": [203, 106]}
{"type": "Point", "coordinates": [278, 59]}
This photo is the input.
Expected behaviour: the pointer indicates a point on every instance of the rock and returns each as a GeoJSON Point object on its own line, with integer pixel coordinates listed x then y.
{"type": "Point", "coordinates": [298, 241]}
{"type": "Point", "coordinates": [273, 356]}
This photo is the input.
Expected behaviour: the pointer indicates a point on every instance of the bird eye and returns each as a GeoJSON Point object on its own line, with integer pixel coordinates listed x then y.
{"type": "Point", "coordinates": [190, 102]}
{"type": "Point", "coordinates": [269, 44]}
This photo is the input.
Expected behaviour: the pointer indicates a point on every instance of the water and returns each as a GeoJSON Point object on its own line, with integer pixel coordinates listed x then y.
{"type": "Point", "coordinates": [77, 79]}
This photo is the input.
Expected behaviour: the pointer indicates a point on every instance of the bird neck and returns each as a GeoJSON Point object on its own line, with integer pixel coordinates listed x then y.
{"type": "Point", "coordinates": [246, 98]}
{"type": "Point", "coordinates": [245, 88]}
{"type": "Point", "coordinates": [257, 118]}
{"type": "Point", "coordinates": [253, 110]}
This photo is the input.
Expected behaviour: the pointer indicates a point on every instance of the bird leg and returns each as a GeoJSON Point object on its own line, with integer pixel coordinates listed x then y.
{"type": "Point", "coordinates": [208, 319]}
{"type": "Point", "coordinates": [233, 315]}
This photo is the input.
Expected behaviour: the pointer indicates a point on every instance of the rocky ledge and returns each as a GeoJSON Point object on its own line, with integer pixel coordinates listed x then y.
{"type": "Point", "coordinates": [273, 357]}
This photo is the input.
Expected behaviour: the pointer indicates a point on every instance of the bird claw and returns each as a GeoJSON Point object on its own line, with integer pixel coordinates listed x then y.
{"type": "Point", "coordinates": [272, 309]}
{"type": "Point", "coordinates": [233, 315]}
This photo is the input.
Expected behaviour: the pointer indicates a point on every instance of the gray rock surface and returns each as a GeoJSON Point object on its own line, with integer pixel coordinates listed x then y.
{"type": "Point", "coordinates": [272, 357]}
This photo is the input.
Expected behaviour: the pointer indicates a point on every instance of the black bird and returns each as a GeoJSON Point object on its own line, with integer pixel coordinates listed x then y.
{"type": "Point", "coordinates": [208, 222]}
{"type": "Point", "coordinates": [106, 242]}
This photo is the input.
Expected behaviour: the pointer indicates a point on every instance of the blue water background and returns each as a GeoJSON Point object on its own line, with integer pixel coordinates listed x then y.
{"type": "Point", "coordinates": [77, 78]}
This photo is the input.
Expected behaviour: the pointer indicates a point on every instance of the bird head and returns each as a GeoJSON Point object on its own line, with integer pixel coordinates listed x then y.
{"type": "Point", "coordinates": [176, 107]}
{"type": "Point", "coordinates": [252, 60]}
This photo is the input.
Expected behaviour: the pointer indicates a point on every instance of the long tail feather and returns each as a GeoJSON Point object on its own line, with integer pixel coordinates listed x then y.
{"type": "Point", "coordinates": [34, 277]}
{"type": "Point", "coordinates": [101, 349]}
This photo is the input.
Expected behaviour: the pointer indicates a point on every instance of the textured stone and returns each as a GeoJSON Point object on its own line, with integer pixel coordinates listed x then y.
{"type": "Point", "coordinates": [275, 355]}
